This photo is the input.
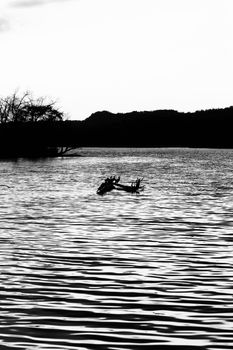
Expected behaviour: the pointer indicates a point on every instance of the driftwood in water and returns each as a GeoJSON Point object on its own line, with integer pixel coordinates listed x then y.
{"type": "Point", "coordinates": [112, 183]}
{"type": "Point", "coordinates": [135, 187]}
{"type": "Point", "coordinates": [108, 185]}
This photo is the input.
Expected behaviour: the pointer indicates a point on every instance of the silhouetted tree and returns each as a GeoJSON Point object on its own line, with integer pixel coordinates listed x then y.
{"type": "Point", "coordinates": [33, 127]}
{"type": "Point", "coordinates": [25, 108]}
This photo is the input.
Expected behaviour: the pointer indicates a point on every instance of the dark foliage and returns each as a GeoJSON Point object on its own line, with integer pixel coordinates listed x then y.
{"type": "Point", "coordinates": [32, 128]}
{"type": "Point", "coordinates": [39, 130]}
{"type": "Point", "coordinates": [21, 109]}
{"type": "Point", "coordinates": [162, 128]}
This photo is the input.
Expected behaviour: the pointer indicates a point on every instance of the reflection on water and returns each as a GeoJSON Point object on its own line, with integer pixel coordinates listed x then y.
{"type": "Point", "coordinates": [121, 271]}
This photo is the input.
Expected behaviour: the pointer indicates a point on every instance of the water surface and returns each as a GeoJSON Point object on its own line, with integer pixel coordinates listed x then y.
{"type": "Point", "coordinates": [120, 271]}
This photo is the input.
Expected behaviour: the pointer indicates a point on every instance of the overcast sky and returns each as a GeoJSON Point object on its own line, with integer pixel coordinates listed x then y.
{"type": "Point", "coordinates": [119, 55]}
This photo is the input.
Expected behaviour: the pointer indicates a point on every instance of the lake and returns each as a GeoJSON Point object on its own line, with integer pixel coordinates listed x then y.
{"type": "Point", "coordinates": [119, 271]}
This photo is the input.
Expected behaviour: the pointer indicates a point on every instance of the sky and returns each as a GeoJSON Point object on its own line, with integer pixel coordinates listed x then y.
{"type": "Point", "coordinates": [118, 55]}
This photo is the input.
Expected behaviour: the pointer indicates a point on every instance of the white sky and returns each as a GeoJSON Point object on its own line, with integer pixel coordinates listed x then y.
{"type": "Point", "coordinates": [119, 55]}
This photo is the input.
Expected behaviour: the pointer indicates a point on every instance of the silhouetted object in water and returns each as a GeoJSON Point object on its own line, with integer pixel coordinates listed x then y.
{"type": "Point", "coordinates": [108, 185]}
{"type": "Point", "coordinates": [135, 187]}
{"type": "Point", "coordinates": [112, 183]}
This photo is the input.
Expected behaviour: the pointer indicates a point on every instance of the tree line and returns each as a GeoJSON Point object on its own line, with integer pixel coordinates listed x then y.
{"type": "Point", "coordinates": [25, 108]}
{"type": "Point", "coordinates": [32, 127]}
{"type": "Point", "coordinates": [160, 128]}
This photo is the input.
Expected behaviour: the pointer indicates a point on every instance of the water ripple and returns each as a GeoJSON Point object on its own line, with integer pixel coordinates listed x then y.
{"type": "Point", "coordinates": [122, 271]}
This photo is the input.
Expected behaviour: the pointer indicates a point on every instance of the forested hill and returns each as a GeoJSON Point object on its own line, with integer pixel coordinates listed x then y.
{"type": "Point", "coordinates": [162, 128]}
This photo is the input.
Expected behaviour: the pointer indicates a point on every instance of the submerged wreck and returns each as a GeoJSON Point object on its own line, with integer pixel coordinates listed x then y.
{"type": "Point", "coordinates": [112, 183]}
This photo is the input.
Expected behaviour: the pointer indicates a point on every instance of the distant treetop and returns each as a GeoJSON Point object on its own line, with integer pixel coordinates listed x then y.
{"type": "Point", "coordinates": [25, 108]}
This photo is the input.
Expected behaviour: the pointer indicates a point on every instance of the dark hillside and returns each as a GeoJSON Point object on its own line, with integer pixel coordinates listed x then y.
{"type": "Point", "coordinates": [162, 128]}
